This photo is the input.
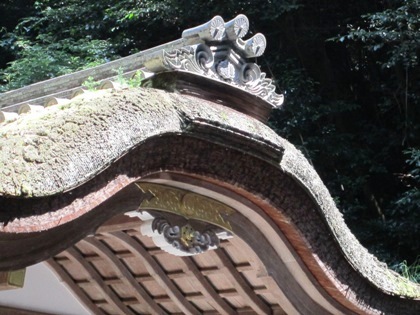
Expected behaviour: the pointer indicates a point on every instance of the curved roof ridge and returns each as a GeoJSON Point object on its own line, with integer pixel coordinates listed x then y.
{"type": "Point", "coordinates": [133, 115]}
{"type": "Point", "coordinates": [365, 263]}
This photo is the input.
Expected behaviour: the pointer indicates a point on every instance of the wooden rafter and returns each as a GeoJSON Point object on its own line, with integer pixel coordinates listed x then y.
{"type": "Point", "coordinates": [108, 294]}
{"type": "Point", "coordinates": [157, 272]}
{"type": "Point", "coordinates": [62, 273]}
{"type": "Point", "coordinates": [240, 284]}
{"type": "Point", "coordinates": [219, 304]}
{"type": "Point", "coordinates": [140, 293]}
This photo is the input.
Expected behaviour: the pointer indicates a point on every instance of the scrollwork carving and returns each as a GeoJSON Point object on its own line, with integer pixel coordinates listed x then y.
{"type": "Point", "coordinates": [181, 222]}
{"type": "Point", "coordinates": [180, 59]}
{"type": "Point", "coordinates": [204, 57]}
{"type": "Point", "coordinates": [185, 238]}
{"type": "Point", "coordinates": [250, 74]}
{"type": "Point", "coordinates": [182, 239]}
{"type": "Point", "coordinates": [216, 50]}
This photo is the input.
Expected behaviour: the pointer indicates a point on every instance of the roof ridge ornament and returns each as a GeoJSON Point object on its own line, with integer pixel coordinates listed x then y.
{"type": "Point", "coordinates": [216, 50]}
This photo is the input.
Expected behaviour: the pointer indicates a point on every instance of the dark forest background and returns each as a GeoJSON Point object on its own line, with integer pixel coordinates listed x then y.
{"type": "Point", "coordinates": [349, 70]}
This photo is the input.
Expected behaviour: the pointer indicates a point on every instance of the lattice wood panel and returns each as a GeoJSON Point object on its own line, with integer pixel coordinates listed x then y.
{"type": "Point", "coordinates": [123, 272]}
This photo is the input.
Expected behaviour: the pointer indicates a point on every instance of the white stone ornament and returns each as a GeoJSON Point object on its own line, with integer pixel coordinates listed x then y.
{"type": "Point", "coordinates": [226, 70]}
{"type": "Point", "coordinates": [237, 27]}
{"type": "Point", "coordinates": [213, 30]}
{"type": "Point", "coordinates": [255, 46]}
{"type": "Point", "coordinates": [217, 51]}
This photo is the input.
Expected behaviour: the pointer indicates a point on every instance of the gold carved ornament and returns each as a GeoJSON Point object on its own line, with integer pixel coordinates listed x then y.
{"type": "Point", "coordinates": [185, 203]}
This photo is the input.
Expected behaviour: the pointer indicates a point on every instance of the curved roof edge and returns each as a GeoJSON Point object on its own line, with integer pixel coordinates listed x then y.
{"type": "Point", "coordinates": [50, 158]}
{"type": "Point", "coordinates": [61, 163]}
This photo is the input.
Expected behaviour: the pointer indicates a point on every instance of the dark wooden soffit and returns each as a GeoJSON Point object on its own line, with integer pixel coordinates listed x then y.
{"type": "Point", "coordinates": [67, 188]}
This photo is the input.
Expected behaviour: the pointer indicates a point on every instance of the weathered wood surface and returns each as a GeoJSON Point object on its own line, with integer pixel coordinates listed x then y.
{"type": "Point", "coordinates": [195, 287]}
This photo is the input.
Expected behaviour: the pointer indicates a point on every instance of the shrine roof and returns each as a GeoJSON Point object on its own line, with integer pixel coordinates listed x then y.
{"type": "Point", "coordinates": [197, 122]}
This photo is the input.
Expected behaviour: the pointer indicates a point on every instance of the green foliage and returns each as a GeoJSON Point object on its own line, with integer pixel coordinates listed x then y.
{"type": "Point", "coordinates": [411, 272]}
{"type": "Point", "coordinates": [411, 198]}
{"type": "Point", "coordinates": [356, 126]}
{"type": "Point", "coordinates": [51, 43]}
{"type": "Point", "coordinates": [384, 49]}
{"type": "Point", "coordinates": [91, 84]}
{"type": "Point", "coordinates": [395, 31]}
{"type": "Point", "coordinates": [58, 38]}
{"type": "Point", "coordinates": [11, 12]}
{"type": "Point", "coordinates": [40, 62]}
{"type": "Point", "coordinates": [137, 79]}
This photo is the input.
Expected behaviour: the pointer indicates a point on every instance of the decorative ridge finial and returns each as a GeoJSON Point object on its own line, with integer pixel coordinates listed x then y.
{"type": "Point", "coordinates": [216, 29]}
{"type": "Point", "coordinates": [237, 27]}
{"type": "Point", "coordinates": [217, 50]}
{"type": "Point", "coordinates": [213, 30]}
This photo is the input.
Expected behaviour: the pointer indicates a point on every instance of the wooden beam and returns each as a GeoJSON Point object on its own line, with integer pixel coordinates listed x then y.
{"type": "Point", "coordinates": [107, 292]}
{"type": "Point", "coordinates": [127, 277]}
{"type": "Point", "coordinates": [194, 296]}
{"type": "Point", "coordinates": [241, 285]}
{"type": "Point", "coordinates": [157, 272]}
{"type": "Point", "coordinates": [83, 220]}
{"type": "Point", "coordinates": [4, 310]}
{"type": "Point", "coordinates": [140, 278]}
{"type": "Point", "coordinates": [207, 271]}
{"type": "Point", "coordinates": [214, 298]}
{"type": "Point", "coordinates": [12, 279]}
{"type": "Point", "coordinates": [64, 276]}
{"type": "Point", "coordinates": [118, 223]}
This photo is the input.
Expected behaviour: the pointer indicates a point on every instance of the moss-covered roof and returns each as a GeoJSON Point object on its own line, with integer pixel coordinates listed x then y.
{"type": "Point", "coordinates": [52, 151]}
{"type": "Point", "coordinates": [64, 146]}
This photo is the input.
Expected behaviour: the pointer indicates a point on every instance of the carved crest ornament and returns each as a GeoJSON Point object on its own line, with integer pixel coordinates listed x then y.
{"type": "Point", "coordinates": [181, 222]}
{"type": "Point", "coordinates": [217, 50]}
